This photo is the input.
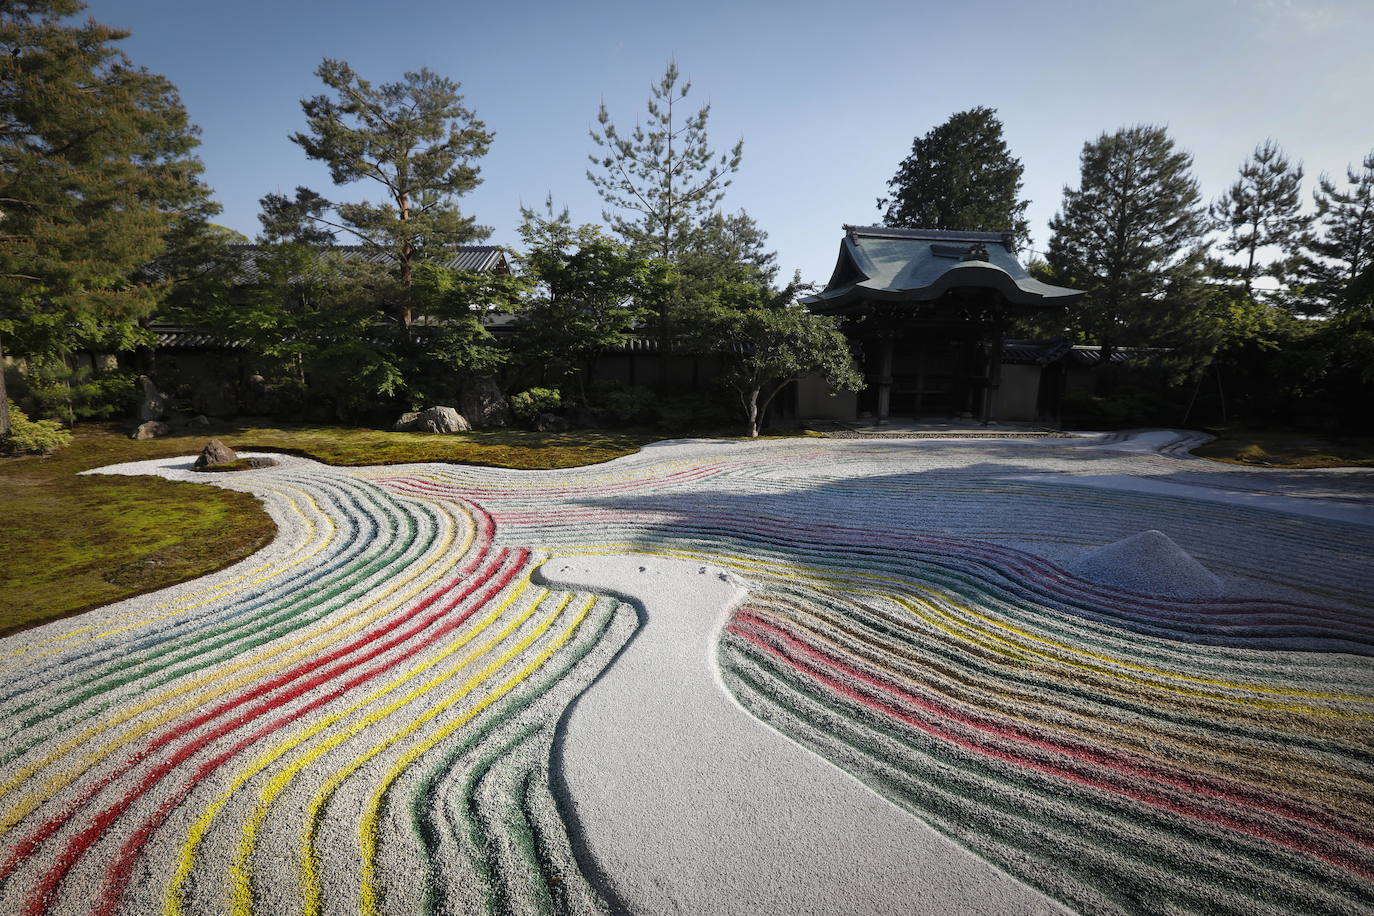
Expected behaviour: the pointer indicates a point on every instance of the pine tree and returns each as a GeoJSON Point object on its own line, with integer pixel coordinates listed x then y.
{"type": "Point", "coordinates": [664, 173]}
{"type": "Point", "coordinates": [960, 175]}
{"type": "Point", "coordinates": [416, 140]}
{"type": "Point", "coordinates": [98, 179]}
{"type": "Point", "coordinates": [1132, 236]}
{"type": "Point", "coordinates": [1345, 247]}
{"type": "Point", "coordinates": [1262, 210]}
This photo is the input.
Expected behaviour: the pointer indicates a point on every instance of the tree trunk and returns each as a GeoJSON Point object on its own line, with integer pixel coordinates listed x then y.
{"type": "Point", "coordinates": [407, 269]}
{"type": "Point", "coordinates": [4, 402]}
{"type": "Point", "coordinates": [751, 407]}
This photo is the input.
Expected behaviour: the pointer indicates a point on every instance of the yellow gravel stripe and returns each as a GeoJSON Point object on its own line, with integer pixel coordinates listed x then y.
{"type": "Point", "coordinates": [368, 837]}
{"type": "Point", "coordinates": [186, 860]}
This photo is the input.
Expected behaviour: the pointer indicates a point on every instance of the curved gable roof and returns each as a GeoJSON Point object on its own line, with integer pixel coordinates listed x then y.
{"type": "Point", "coordinates": [921, 265]}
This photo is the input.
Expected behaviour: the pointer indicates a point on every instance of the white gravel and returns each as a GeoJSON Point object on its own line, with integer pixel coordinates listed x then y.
{"type": "Point", "coordinates": [689, 804]}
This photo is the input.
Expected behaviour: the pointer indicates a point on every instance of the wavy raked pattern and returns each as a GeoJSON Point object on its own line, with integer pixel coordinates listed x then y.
{"type": "Point", "coordinates": [360, 718]}
{"type": "Point", "coordinates": [209, 749]}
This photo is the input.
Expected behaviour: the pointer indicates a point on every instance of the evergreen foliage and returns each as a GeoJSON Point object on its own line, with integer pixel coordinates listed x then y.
{"type": "Point", "coordinates": [1345, 247]}
{"type": "Point", "coordinates": [1262, 210]}
{"type": "Point", "coordinates": [530, 403]}
{"type": "Point", "coordinates": [1132, 236]}
{"type": "Point", "coordinates": [589, 294]}
{"type": "Point", "coordinates": [416, 140]}
{"type": "Point", "coordinates": [960, 175]}
{"type": "Point", "coordinates": [664, 173]}
{"type": "Point", "coordinates": [98, 181]}
{"type": "Point", "coordinates": [32, 437]}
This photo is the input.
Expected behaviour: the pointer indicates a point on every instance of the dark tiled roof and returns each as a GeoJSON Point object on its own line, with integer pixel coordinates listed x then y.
{"type": "Point", "coordinates": [475, 258]}
{"type": "Point", "coordinates": [174, 338]}
{"type": "Point", "coordinates": [1034, 352]}
{"type": "Point", "coordinates": [921, 265]}
{"type": "Point", "coordinates": [1085, 356]}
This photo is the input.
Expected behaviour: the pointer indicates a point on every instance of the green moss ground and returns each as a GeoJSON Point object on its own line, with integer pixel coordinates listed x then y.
{"type": "Point", "coordinates": [1288, 449]}
{"type": "Point", "coordinates": [70, 543]}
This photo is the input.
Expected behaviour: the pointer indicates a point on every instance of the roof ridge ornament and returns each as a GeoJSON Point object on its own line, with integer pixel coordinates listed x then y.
{"type": "Point", "coordinates": [976, 253]}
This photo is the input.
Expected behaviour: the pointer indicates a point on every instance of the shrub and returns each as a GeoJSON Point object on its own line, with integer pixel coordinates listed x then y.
{"type": "Point", "coordinates": [527, 405]}
{"type": "Point", "coordinates": [692, 412]}
{"type": "Point", "coordinates": [631, 404]}
{"type": "Point", "coordinates": [53, 389]}
{"type": "Point", "coordinates": [35, 437]}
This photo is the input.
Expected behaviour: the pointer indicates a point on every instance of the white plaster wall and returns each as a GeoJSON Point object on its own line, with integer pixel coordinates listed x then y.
{"type": "Point", "coordinates": [814, 401]}
{"type": "Point", "coordinates": [1016, 397]}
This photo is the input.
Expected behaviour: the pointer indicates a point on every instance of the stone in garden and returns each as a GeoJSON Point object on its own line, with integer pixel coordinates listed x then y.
{"type": "Point", "coordinates": [409, 422]}
{"type": "Point", "coordinates": [198, 420]}
{"type": "Point", "coordinates": [1149, 563]}
{"type": "Point", "coordinates": [551, 423]}
{"type": "Point", "coordinates": [484, 404]}
{"type": "Point", "coordinates": [258, 397]}
{"type": "Point", "coordinates": [215, 453]}
{"type": "Point", "coordinates": [152, 405]}
{"type": "Point", "coordinates": [151, 429]}
{"type": "Point", "coordinates": [262, 461]}
{"type": "Point", "coordinates": [443, 420]}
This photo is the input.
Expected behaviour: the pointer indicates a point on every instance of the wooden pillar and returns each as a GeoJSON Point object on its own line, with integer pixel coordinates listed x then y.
{"type": "Point", "coordinates": [885, 379]}
{"type": "Point", "coordinates": [994, 373]}
{"type": "Point", "coordinates": [920, 378]}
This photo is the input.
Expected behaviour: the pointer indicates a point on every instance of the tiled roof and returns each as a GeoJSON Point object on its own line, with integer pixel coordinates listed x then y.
{"type": "Point", "coordinates": [475, 258]}
{"type": "Point", "coordinates": [921, 265]}
{"type": "Point", "coordinates": [1034, 352]}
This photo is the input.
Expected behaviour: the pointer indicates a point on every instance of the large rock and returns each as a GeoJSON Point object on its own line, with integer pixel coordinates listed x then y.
{"type": "Point", "coordinates": [215, 453]}
{"type": "Point", "coordinates": [258, 397]}
{"type": "Point", "coordinates": [551, 423]}
{"type": "Point", "coordinates": [152, 405]}
{"type": "Point", "coordinates": [484, 404]}
{"type": "Point", "coordinates": [151, 429]}
{"type": "Point", "coordinates": [1149, 563]}
{"type": "Point", "coordinates": [443, 420]}
{"type": "Point", "coordinates": [432, 420]}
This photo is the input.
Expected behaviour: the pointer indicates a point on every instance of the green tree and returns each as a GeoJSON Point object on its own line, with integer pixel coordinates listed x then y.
{"type": "Point", "coordinates": [310, 318]}
{"type": "Point", "coordinates": [589, 294]}
{"type": "Point", "coordinates": [417, 141]}
{"type": "Point", "coordinates": [664, 173]}
{"type": "Point", "coordinates": [1261, 210]}
{"type": "Point", "coordinates": [1132, 235]}
{"type": "Point", "coordinates": [453, 343]}
{"type": "Point", "coordinates": [1345, 246]}
{"type": "Point", "coordinates": [960, 175]}
{"type": "Point", "coordinates": [770, 344]}
{"type": "Point", "coordinates": [97, 179]}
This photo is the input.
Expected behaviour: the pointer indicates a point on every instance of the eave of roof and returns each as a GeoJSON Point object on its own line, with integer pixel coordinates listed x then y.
{"type": "Point", "coordinates": [876, 263]}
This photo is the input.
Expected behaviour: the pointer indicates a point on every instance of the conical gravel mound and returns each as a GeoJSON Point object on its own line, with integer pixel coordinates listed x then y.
{"type": "Point", "coordinates": [1149, 563]}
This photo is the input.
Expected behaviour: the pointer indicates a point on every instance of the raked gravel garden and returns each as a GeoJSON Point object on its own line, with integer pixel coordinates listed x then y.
{"type": "Point", "coordinates": [1089, 674]}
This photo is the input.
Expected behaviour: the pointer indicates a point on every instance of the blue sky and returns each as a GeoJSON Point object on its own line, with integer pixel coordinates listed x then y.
{"type": "Point", "coordinates": [827, 95]}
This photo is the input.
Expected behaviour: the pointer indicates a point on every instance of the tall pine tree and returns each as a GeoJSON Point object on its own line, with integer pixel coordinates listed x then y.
{"type": "Point", "coordinates": [960, 175]}
{"type": "Point", "coordinates": [1131, 235]}
{"type": "Point", "coordinates": [416, 140]}
{"type": "Point", "coordinates": [98, 179]}
{"type": "Point", "coordinates": [1261, 210]}
{"type": "Point", "coordinates": [663, 176]}
{"type": "Point", "coordinates": [1345, 247]}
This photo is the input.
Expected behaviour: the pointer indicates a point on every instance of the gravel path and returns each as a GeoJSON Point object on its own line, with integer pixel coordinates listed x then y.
{"type": "Point", "coordinates": [372, 714]}
{"type": "Point", "coordinates": [689, 804]}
